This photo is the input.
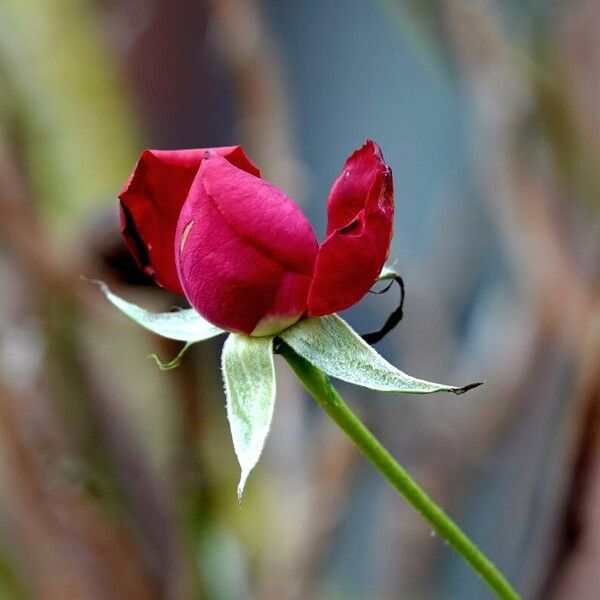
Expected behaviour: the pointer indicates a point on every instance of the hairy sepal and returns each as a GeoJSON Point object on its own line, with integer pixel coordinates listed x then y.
{"type": "Point", "coordinates": [331, 345]}
{"type": "Point", "coordinates": [249, 378]}
{"type": "Point", "coordinates": [183, 325]}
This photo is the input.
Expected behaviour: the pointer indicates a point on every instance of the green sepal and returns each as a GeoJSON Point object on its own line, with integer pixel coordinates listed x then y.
{"type": "Point", "coordinates": [249, 377]}
{"type": "Point", "coordinates": [330, 344]}
{"type": "Point", "coordinates": [173, 363]}
{"type": "Point", "coordinates": [387, 272]}
{"type": "Point", "coordinates": [184, 325]}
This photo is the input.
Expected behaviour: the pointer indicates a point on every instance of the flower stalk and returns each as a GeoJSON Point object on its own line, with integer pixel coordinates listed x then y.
{"type": "Point", "coordinates": [320, 388]}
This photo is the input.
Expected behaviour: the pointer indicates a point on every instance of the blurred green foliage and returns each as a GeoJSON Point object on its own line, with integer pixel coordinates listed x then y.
{"type": "Point", "coordinates": [71, 114]}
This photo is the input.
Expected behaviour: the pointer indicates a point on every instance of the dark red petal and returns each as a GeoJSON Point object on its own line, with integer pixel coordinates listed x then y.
{"type": "Point", "coordinates": [245, 251]}
{"type": "Point", "coordinates": [360, 213]}
{"type": "Point", "coordinates": [152, 199]}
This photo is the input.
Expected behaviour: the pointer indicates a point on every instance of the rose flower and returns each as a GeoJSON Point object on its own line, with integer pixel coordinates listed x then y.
{"type": "Point", "coordinates": [203, 223]}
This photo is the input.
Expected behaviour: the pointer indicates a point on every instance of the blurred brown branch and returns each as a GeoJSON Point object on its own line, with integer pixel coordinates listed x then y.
{"type": "Point", "coordinates": [554, 269]}
{"type": "Point", "coordinates": [121, 562]}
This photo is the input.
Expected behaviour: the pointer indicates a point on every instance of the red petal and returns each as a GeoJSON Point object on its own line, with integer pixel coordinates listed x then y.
{"type": "Point", "coordinates": [359, 231]}
{"type": "Point", "coordinates": [245, 251]}
{"type": "Point", "coordinates": [152, 199]}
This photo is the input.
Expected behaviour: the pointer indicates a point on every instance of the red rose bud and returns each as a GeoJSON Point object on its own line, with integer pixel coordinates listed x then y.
{"type": "Point", "coordinates": [151, 201]}
{"type": "Point", "coordinates": [245, 252]}
{"type": "Point", "coordinates": [203, 223]}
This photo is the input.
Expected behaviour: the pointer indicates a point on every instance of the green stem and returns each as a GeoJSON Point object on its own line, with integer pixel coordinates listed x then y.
{"type": "Point", "coordinates": [317, 383]}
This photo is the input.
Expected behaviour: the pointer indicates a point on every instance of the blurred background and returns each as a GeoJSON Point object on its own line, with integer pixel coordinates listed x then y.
{"type": "Point", "coordinates": [118, 480]}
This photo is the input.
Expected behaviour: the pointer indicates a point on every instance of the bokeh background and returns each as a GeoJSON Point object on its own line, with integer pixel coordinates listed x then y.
{"type": "Point", "coordinates": [118, 480]}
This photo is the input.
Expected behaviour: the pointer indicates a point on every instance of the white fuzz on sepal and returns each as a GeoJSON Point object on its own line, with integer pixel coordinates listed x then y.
{"type": "Point", "coordinates": [183, 325]}
{"type": "Point", "coordinates": [331, 345]}
{"type": "Point", "coordinates": [249, 377]}
{"type": "Point", "coordinates": [387, 272]}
